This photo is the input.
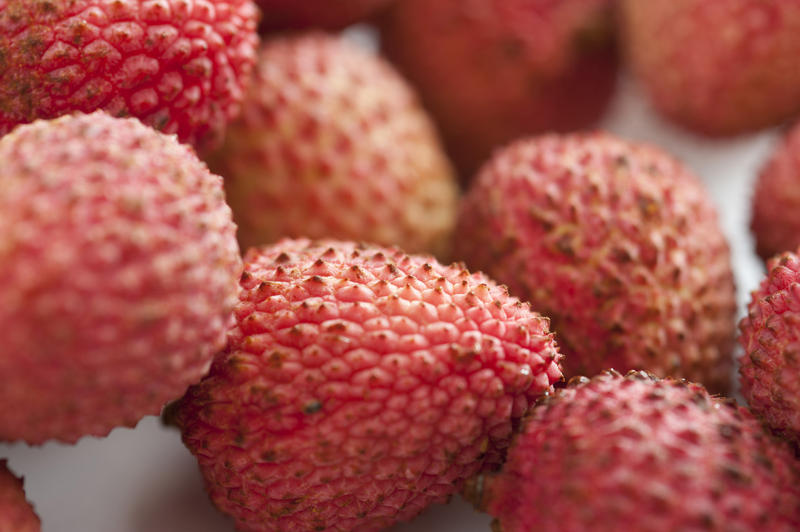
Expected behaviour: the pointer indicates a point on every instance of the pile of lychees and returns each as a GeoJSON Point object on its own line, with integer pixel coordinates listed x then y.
{"type": "Point", "coordinates": [214, 204]}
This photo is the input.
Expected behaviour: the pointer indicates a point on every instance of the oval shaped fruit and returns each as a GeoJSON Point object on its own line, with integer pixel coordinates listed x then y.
{"type": "Point", "coordinates": [618, 243]}
{"type": "Point", "coordinates": [333, 143]}
{"type": "Point", "coordinates": [769, 368]}
{"type": "Point", "coordinates": [642, 454]}
{"type": "Point", "coordinates": [776, 199]}
{"type": "Point", "coordinates": [491, 71]}
{"type": "Point", "coordinates": [360, 385]}
{"type": "Point", "coordinates": [721, 67]}
{"type": "Point", "coordinates": [118, 275]}
{"type": "Point", "coordinates": [179, 66]}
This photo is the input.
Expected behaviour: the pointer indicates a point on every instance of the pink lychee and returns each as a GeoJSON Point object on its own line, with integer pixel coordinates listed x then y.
{"type": "Point", "coordinates": [118, 275]}
{"type": "Point", "coordinates": [360, 385]}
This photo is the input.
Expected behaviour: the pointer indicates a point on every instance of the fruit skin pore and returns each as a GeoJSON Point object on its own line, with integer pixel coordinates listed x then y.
{"type": "Point", "coordinates": [278, 15]}
{"type": "Point", "coordinates": [769, 368]}
{"type": "Point", "coordinates": [491, 71]}
{"type": "Point", "coordinates": [642, 454]}
{"type": "Point", "coordinates": [719, 68]}
{"type": "Point", "coordinates": [16, 513]}
{"type": "Point", "coordinates": [332, 142]}
{"type": "Point", "coordinates": [118, 275]}
{"type": "Point", "coordinates": [179, 66]}
{"type": "Point", "coordinates": [776, 200]}
{"type": "Point", "coordinates": [359, 386]}
{"type": "Point", "coordinates": [618, 243]}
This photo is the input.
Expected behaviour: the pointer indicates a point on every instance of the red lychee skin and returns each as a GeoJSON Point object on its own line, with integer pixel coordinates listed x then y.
{"type": "Point", "coordinates": [641, 454]}
{"type": "Point", "coordinates": [776, 201]}
{"type": "Point", "coordinates": [118, 274]}
{"type": "Point", "coordinates": [491, 71]}
{"type": "Point", "coordinates": [178, 65]}
{"type": "Point", "coordinates": [618, 243]}
{"type": "Point", "coordinates": [718, 68]}
{"type": "Point", "coordinates": [360, 385]}
{"type": "Point", "coordinates": [769, 368]}
{"type": "Point", "coordinates": [332, 142]}
{"type": "Point", "coordinates": [306, 14]}
{"type": "Point", "coordinates": [16, 513]}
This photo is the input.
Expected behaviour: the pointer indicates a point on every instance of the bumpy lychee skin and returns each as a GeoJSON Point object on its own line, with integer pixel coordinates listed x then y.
{"type": "Point", "coordinates": [718, 68]}
{"type": "Point", "coordinates": [776, 201]}
{"type": "Point", "coordinates": [118, 275]}
{"type": "Point", "coordinates": [293, 15]}
{"type": "Point", "coordinates": [178, 65]}
{"type": "Point", "coordinates": [491, 71]}
{"type": "Point", "coordinates": [641, 454]}
{"type": "Point", "coordinates": [618, 243]}
{"type": "Point", "coordinates": [333, 143]}
{"type": "Point", "coordinates": [769, 368]}
{"type": "Point", "coordinates": [359, 385]}
{"type": "Point", "coordinates": [16, 513]}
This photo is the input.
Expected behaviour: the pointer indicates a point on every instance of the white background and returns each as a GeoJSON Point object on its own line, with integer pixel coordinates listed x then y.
{"type": "Point", "coordinates": [144, 480]}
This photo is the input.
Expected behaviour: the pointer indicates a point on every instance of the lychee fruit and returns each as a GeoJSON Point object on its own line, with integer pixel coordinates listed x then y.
{"type": "Point", "coordinates": [642, 454]}
{"type": "Point", "coordinates": [769, 368]}
{"type": "Point", "coordinates": [491, 71]}
{"type": "Point", "coordinates": [306, 14]}
{"type": "Point", "coordinates": [718, 68]}
{"type": "Point", "coordinates": [118, 275]}
{"type": "Point", "coordinates": [333, 143]}
{"type": "Point", "coordinates": [16, 513]}
{"type": "Point", "coordinates": [179, 66]}
{"type": "Point", "coordinates": [618, 243]}
{"type": "Point", "coordinates": [776, 201]}
{"type": "Point", "coordinates": [360, 385]}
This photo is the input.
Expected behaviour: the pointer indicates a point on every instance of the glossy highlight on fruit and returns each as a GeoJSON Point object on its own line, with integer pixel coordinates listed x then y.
{"type": "Point", "coordinates": [360, 385]}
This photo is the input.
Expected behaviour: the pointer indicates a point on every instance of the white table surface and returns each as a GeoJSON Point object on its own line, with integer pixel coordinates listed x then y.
{"type": "Point", "coordinates": [144, 480]}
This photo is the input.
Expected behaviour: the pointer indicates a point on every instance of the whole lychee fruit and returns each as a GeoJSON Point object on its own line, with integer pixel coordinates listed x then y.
{"type": "Point", "coordinates": [776, 201]}
{"type": "Point", "coordinates": [333, 143]}
{"type": "Point", "coordinates": [305, 14]}
{"type": "Point", "coordinates": [491, 71]}
{"type": "Point", "coordinates": [618, 243]}
{"type": "Point", "coordinates": [769, 368]}
{"type": "Point", "coordinates": [642, 454]}
{"type": "Point", "coordinates": [118, 274]}
{"type": "Point", "coordinates": [721, 67]}
{"type": "Point", "coordinates": [360, 385]}
{"type": "Point", "coordinates": [16, 513]}
{"type": "Point", "coordinates": [179, 66]}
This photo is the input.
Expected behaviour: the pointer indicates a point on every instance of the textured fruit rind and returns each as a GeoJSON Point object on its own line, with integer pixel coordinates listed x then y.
{"type": "Point", "coordinates": [769, 368]}
{"type": "Point", "coordinates": [179, 66]}
{"type": "Point", "coordinates": [618, 243]}
{"type": "Point", "coordinates": [492, 71]}
{"type": "Point", "coordinates": [360, 385]}
{"type": "Point", "coordinates": [308, 14]}
{"type": "Point", "coordinates": [119, 270]}
{"type": "Point", "coordinates": [776, 200]}
{"type": "Point", "coordinates": [16, 513]}
{"type": "Point", "coordinates": [721, 67]}
{"type": "Point", "coordinates": [642, 454]}
{"type": "Point", "coordinates": [332, 143]}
